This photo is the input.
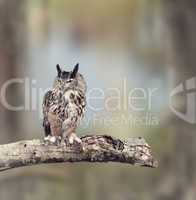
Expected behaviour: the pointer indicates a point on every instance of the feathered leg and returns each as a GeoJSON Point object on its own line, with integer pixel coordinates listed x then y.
{"type": "Point", "coordinates": [69, 132]}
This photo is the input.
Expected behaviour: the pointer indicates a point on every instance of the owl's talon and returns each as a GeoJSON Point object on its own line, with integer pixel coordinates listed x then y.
{"type": "Point", "coordinates": [71, 140]}
{"type": "Point", "coordinates": [78, 140]}
{"type": "Point", "coordinates": [47, 138]}
{"type": "Point", "coordinates": [73, 137]}
{"type": "Point", "coordinates": [53, 139]}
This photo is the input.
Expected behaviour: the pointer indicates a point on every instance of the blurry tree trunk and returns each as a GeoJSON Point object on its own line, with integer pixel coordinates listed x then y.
{"type": "Point", "coordinates": [180, 18]}
{"type": "Point", "coordinates": [12, 40]}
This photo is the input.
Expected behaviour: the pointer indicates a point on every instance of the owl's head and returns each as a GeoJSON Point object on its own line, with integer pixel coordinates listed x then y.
{"type": "Point", "coordinates": [70, 79]}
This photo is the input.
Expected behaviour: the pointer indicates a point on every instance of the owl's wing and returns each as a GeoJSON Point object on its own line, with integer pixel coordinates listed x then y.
{"type": "Point", "coordinates": [46, 106]}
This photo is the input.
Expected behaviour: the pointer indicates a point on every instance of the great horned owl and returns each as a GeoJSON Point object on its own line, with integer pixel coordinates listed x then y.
{"type": "Point", "coordinates": [64, 106]}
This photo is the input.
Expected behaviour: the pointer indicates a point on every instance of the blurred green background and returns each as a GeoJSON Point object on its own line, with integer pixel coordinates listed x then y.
{"type": "Point", "coordinates": [120, 45]}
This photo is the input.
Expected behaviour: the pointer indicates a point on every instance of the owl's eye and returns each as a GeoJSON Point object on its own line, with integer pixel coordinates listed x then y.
{"type": "Point", "coordinates": [69, 80]}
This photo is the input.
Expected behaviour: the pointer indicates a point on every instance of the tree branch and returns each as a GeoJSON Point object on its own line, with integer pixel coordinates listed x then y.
{"type": "Point", "coordinates": [94, 148]}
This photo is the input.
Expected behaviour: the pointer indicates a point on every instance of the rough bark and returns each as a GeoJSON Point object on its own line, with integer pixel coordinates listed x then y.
{"type": "Point", "coordinates": [95, 148]}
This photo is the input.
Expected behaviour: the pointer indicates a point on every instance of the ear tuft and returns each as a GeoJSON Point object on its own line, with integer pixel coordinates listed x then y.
{"type": "Point", "coordinates": [58, 68]}
{"type": "Point", "coordinates": [75, 71]}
